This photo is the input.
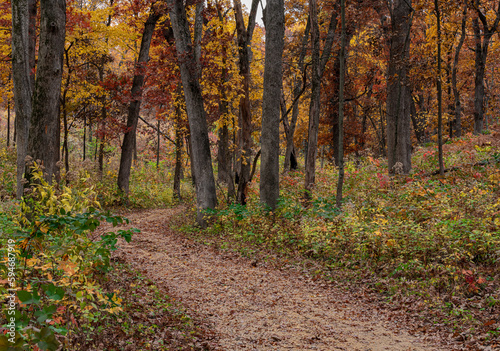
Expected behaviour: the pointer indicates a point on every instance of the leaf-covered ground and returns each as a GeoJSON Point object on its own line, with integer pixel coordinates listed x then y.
{"type": "Point", "coordinates": [262, 305]}
{"type": "Point", "coordinates": [150, 320]}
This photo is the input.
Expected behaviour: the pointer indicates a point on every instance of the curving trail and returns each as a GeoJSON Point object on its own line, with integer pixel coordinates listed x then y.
{"type": "Point", "coordinates": [253, 307]}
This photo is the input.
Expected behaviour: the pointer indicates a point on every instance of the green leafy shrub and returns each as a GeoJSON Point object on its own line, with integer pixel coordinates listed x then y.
{"type": "Point", "coordinates": [56, 266]}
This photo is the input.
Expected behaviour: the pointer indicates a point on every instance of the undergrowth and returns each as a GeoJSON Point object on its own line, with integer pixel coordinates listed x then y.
{"type": "Point", "coordinates": [51, 269]}
{"type": "Point", "coordinates": [431, 238]}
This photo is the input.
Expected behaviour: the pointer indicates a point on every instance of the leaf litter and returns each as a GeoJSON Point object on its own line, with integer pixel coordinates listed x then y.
{"type": "Point", "coordinates": [250, 305]}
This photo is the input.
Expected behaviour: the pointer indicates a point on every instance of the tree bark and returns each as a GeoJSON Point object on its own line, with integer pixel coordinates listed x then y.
{"type": "Point", "coordinates": [244, 41]}
{"type": "Point", "coordinates": [456, 93]}
{"type": "Point", "coordinates": [32, 9]}
{"type": "Point", "coordinates": [334, 101]}
{"type": "Point", "coordinates": [8, 123]}
{"type": "Point", "coordinates": [43, 140]}
{"type": "Point", "coordinates": [206, 196]}
{"type": "Point", "coordinates": [340, 157]}
{"type": "Point", "coordinates": [417, 122]}
{"type": "Point", "coordinates": [290, 159]}
{"type": "Point", "coordinates": [297, 89]}
{"type": "Point", "coordinates": [135, 103]}
{"type": "Point", "coordinates": [190, 156]}
{"type": "Point", "coordinates": [158, 145]}
{"type": "Point", "coordinates": [270, 137]}
{"type": "Point", "coordinates": [65, 111]}
{"type": "Point", "coordinates": [398, 90]}
{"type": "Point", "coordinates": [178, 153]}
{"type": "Point", "coordinates": [23, 87]}
{"type": "Point", "coordinates": [439, 89]}
{"type": "Point", "coordinates": [314, 107]}
{"type": "Point", "coordinates": [482, 37]}
{"type": "Point", "coordinates": [65, 141]}
{"type": "Point", "coordinates": [224, 154]}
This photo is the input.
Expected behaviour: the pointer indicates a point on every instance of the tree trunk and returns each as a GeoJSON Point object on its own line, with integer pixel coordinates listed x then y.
{"type": "Point", "coordinates": [8, 123]}
{"type": "Point", "coordinates": [439, 89]}
{"type": "Point", "coordinates": [244, 41]}
{"type": "Point", "coordinates": [334, 101]}
{"type": "Point", "coordinates": [457, 107]}
{"type": "Point", "coordinates": [135, 103]}
{"type": "Point", "coordinates": [398, 90]}
{"type": "Point", "coordinates": [23, 87]}
{"type": "Point", "coordinates": [43, 140]}
{"type": "Point", "coordinates": [158, 145]}
{"type": "Point", "coordinates": [270, 137]}
{"type": "Point", "coordinates": [312, 140]}
{"type": "Point", "coordinates": [65, 111]}
{"type": "Point", "coordinates": [178, 153]}
{"type": "Point", "coordinates": [224, 154]}
{"type": "Point", "coordinates": [416, 120]}
{"type": "Point", "coordinates": [318, 66]}
{"type": "Point", "coordinates": [482, 37]}
{"type": "Point", "coordinates": [190, 157]}
{"type": "Point", "coordinates": [297, 90]}
{"type": "Point", "coordinates": [206, 196]}
{"type": "Point", "coordinates": [340, 157]}
{"type": "Point", "coordinates": [32, 35]}
{"type": "Point", "coordinates": [479, 79]}
{"type": "Point", "coordinates": [65, 141]}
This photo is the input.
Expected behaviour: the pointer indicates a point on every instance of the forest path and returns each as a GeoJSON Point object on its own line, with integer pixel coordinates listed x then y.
{"type": "Point", "coordinates": [253, 307]}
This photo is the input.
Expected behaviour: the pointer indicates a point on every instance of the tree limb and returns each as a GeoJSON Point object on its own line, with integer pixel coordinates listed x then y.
{"type": "Point", "coordinates": [156, 130]}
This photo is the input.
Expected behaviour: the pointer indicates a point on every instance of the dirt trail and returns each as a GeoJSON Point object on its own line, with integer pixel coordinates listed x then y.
{"type": "Point", "coordinates": [254, 307]}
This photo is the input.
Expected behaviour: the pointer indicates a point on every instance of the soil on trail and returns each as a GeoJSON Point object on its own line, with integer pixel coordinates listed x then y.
{"type": "Point", "coordinates": [251, 306]}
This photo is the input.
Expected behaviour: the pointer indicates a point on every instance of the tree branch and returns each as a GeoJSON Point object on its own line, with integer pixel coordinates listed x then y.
{"type": "Point", "coordinates": [156, 130]}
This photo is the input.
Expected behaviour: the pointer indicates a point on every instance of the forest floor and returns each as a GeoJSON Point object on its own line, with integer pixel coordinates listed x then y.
{"type": "Point", "coordinates": [253, 304]}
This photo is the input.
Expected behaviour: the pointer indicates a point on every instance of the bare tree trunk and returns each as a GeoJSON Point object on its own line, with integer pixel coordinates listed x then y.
{"type": "Point", "coordinates": [178, 154]}
{"type": "Point", "coordinates": [314, 108]}
{"type": "Point", "coordinates": [65, 141]}
{"type": "Point", "coordinates": [244, 41]}
{"type": "Point", "coordinates": [8, 123]}
{"type": "Point", "coordinates": [224, 154]}
{"type": "Point", "coordinates": [158, 145]}
{"type": "Point", "coordinates": [14, 136]}
{"type": "Point", "coordinates": [43, 140]}
{"type": "Point", "coordinates": [318, 66]}
{"type": "Point", "coordinates": [206, 196]}
{"type": "Point", "coordinates": [340, 157]}
{"type": "Point", "coordinates": [64, 110]}
{"type": "Point", "coordinates": [290, 157]}
{"type": "Point", "coordinates": [135, 103]}
{"type": "Point", "coordinates": [334, 100]}
{"type": "Point", "coordinates": [439, 89]}
{"type": "Point", "coordinates": [23, 87]}
{"type": "Point", "coordinates": [32, 8]}
{"type": "Point", "coordinates": [418, 127]}
{"type": "Point", "coordinates": [398, 107]}
{"type": "Point", "coordinates": [479, 79]}
{"type": "Point", "coordinates": [450, 121]}
{"type": "Point", "coordinates": [482, 37]}
{"type": "Point", "coordinates": [270, 137]}
{"type": "Point", "coordinates": [456, 94]}
{"type": "Point", "coordinates": [299, 86]}
{"type": "Point", "coordinates": [190, 157]}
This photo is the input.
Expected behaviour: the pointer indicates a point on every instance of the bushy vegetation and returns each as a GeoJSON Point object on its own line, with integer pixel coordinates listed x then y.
{"type": "Point", "coordinates": [52, 267]}
{"type": "Point", "coordinates": [424, 236]}
{"type": "Point", "coordinates": [429, 239]}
